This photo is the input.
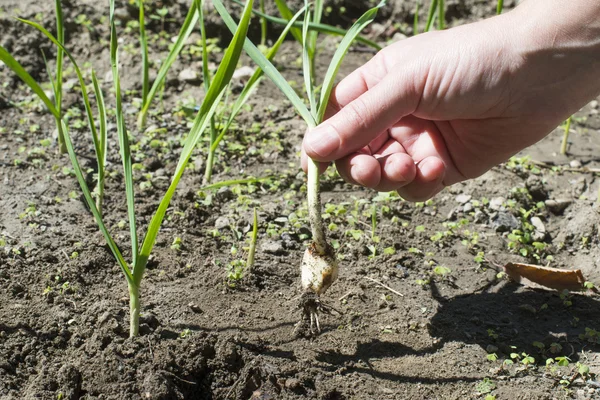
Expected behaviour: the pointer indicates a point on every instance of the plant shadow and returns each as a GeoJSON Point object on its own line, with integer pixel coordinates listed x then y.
{"type": "Point", "coordinates": [504, 319]}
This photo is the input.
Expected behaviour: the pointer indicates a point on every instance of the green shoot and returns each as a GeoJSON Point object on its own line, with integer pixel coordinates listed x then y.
{"type": "Point", "coordinates": [57, 85]}
{"type": "Point", "coordinates": [565, 139]}
{"type": "Point", "coordinates": [441, 17]}
{"type": "Point", "coordinates": [416, 20]}
{"type": "Point", "coordinates": [144, 49]}
{"type": "Point", "coordinates": [322, 28]}
{"type": "Point", "coordinates": [253, 238]}
{"type": "Point", "coordinates": [499, 7]}
{"type": "Point", "coordinates": [102, 143]}
{"type": "Point", "coordinates": [431, 15]}
{"type": "Point", "coordinates": [186, 29]}
{"type": "Point", "coordinates": [210, 160]}
{"type": "Point", "coordinates": [263, 25]}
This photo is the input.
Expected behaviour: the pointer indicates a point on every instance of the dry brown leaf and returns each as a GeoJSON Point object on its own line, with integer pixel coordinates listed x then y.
{"type": "Point", "coordinates": [538, 277]}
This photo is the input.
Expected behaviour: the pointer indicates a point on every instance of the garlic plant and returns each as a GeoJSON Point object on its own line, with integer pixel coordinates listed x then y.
{"type": "Point", "coordinates": [319, 268]}
{"type": "Point", "coordinates": [134, 270]}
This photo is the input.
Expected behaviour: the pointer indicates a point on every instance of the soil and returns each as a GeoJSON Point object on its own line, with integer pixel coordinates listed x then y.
{"type": "Point", "coordinates": [401, 326]}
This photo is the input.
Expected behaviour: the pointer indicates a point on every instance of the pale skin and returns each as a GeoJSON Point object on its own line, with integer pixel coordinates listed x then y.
{"type": "Point", "coordinates": [443, 107]}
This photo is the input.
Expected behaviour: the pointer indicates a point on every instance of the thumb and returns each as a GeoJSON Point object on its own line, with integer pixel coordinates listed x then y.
{"type": "Point", "coordinates": [363, 119]}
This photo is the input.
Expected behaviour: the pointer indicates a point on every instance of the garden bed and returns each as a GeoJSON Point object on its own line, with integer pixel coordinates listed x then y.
{"type": "Point", "coordinates": [207, 335]}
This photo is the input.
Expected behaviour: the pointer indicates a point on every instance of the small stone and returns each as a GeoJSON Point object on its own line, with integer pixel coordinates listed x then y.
{"type": "Point", "coordinates": [398, 36]}
{"type": "Point", "coordinates": [505, 222]}
{"type": "Point", "coordinates": [122, 14]}
{"type": "Point", "coordinates": [479, 217]}
{"type": "Point", "coordinates": [536, 188]}
{"type": "Point", "coordinates": [497, 203]}
{"type": "Point", "coordinates": [575, 164]}
{"type": "Point", "coordinates": [274, 247]}
{"type": "Point", "coordinates": [195, 308]}
{"type": "Point", "coordinates": [292, 383]}
{"type": "Point", "coordinates": [281, 220]}
{"type": "Point", "coordinates": [491, 348]}
{"type": "Point", "coordinates": [540, 229]}
{"type": "Point", "coordinates": [222, 223]}
{"type": "Point", "coordinates": [558, 206]}
{"type": "Point", "coordinates": [468, 207]}
{"type": "Point", "coordinates": [594, 103]}
{"type": "Point", "coordinates": [243, 73]}
{"type": "Point", "coordinates": [463, 198]}
{"type": "Point", "coordinates": [189, 75]}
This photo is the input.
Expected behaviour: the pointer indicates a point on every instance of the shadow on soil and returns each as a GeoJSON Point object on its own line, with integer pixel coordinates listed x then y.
{"type": "Point", "coordinates": [510, 319]}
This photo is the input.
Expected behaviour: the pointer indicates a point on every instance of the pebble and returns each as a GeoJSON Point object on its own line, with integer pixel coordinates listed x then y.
{"type": "Point", "coordinates": [594, 103]}
{"type": "Point", "coordinates": [292, 383]}
{"type": "Point", "coordinates": [468, 207]}
{"type": "Point", "coordinates": [189, 75]}
{"type": "Point", "coordinates": [540, 229]}
{"type": "Point", "coordinates": [222, 223]}
{"type": "Point", "coordinates": [497, 203]}
{"type": "Point", "coordinates": [122, 14]}
{"type": "Point", "coordinates": [558, 206]}
{"type": "Point", "coordinates": [463, 198]}
{"type": "Point", "coordinates": [575, 164]}
{"type": "Point", "coordinates": [272, 247]}
{"type": "Point", "coordinates": [243, 73]}
{"type": "Point", "coordinates": [505, 222]}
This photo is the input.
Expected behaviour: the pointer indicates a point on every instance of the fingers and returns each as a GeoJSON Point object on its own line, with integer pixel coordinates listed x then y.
{"type": "Point", "coordinates": [365, 117]}
{"type": "Point", "coordinates": [428, 180]}
{"type": "Point", "coordinates": [383, 174]}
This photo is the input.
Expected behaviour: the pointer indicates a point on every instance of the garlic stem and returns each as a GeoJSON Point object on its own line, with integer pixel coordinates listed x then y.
{"type": "Point", "coordinates": [314, 208]}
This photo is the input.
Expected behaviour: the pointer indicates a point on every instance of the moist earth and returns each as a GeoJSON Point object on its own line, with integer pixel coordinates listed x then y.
{"type": "Point", "coordinates": [421, 309]}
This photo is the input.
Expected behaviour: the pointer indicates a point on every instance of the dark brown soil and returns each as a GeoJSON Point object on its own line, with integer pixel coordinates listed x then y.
{"type": "Point", "coordinates": [64, 302]}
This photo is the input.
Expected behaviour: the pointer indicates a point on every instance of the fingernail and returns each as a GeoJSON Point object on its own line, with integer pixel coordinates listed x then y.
{"type": "Point", "coordinates": [322, 141]}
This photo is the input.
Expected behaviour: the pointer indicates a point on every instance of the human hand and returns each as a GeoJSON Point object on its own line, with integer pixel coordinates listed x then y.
{"type": "Point", "coordinates": [442, 107]}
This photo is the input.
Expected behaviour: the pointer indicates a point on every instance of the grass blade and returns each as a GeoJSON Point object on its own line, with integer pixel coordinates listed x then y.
{"type": "Point", "coordinates": [287, 14]}
{"type": "Point", "coordinates": [339, 55]}
{"type": "Point", "coordinates": [431, 15]}
{"type": "Point", "coordinates": [416, 20]}
{"type": "Point", "coordinates": [210, 159]}
{"type": "Point", "coordinates": [254, 81]}
{"type": "Point", "coordinates": [122, 132]}
{"type": "Point", "coordinates": [232, 182]}
{"type": "Point", "coordinates": [252, 249]}
{"type": "Point", "coordinates": [263, 24]}
{"type": "Point", "coordinates": [565, 139]}
{"type": "Point", "coordinates": [441, 17]}
{"type": "Point", "coordinates": [102, 141]}
{"type": "Point", "coordinates": [323, 28]}
{"type": "Point", "coordinates": [184, 33]}
{"type": "Point", "coordinates": [144, 50]}
{"type": "Point", "coordinates": [268, 68]}
{"type": "Point", "coordinates": [60, 34]}
{"type": "Point", "coordinates": [499, 7]}
{"type": "Point", "coordinates": [209, 104]}
{"type": "Point", "coordinates": [307, 62]}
